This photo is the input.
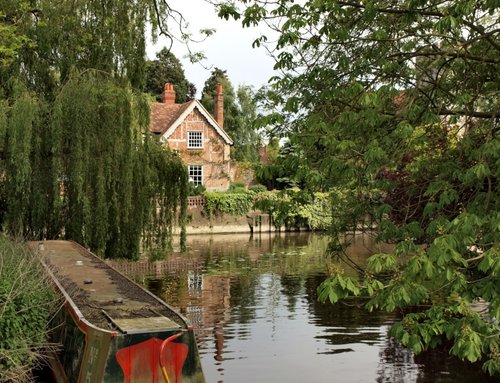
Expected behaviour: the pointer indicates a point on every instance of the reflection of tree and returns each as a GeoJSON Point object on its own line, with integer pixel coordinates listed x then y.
{"type": "Point", "coordinates": [291, 286]}
{"type": "Point", "coordinates": [172, 288]}
{"type": "Point", "coordinates": [346, 323]}
{"type": "Point", "coordinates": [243, 298]}
{"type": "Point", "coordinates": [244, 278]}
{"type": "Point", "coordinates": [399, 364]}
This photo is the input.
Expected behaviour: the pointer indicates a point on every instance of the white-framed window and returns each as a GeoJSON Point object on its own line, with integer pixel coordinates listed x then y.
{"type": "Point", "coordinates": [195, 174]}
{"type": "Point", "coordinates": [195, 139]}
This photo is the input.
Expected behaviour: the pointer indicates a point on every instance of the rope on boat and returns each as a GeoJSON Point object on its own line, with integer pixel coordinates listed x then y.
{"type": "Point", "coordinates": [162, 350]}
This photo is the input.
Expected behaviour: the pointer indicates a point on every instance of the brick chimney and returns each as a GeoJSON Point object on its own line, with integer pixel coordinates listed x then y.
{"type": "Point", "coordinates": [219, 106]}
{"type": "Point", "coordinates": [168, 94]}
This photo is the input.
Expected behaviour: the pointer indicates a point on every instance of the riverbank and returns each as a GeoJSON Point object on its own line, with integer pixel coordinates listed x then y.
{"type": "Point", "coordinates": [253, 222]}
{"type": "Point", "coordinates": [251, 212]}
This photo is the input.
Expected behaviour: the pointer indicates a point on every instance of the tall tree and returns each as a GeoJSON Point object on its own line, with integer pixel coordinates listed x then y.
{"type": "Point", "coordinates": [167, 68]}
{"type": "Point", "coordinates": [75, 155]}
{"type": "Point", "coordinates": [247, 137]}
{"type": "Point", "coordinates": [82, 34]}
{"type": "Point", "coordinates": [240, 113]}
{"type": "Point", "coordinates": [395, 106]}
{"type": "Point", "coordinates": [231, 111]}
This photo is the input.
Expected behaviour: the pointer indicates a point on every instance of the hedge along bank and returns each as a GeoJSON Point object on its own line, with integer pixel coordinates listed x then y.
{"type": "Point", "coordinates": [288, 209]}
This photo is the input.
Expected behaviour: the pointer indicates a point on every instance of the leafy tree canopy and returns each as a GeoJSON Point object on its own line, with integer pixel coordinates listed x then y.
{"type": "Point", "coordinates": [395, 107]}
{"type": "Point", "coordinates": [76, 158]}
{"type": "Point", "coordinates": [79, 34]}
{"type": "Point", "coordinates": [247, 138]}
{"type": "Point", "coordinates": [167, 68]}
{"type": "Point", "coordinates": [240, 112]}
{"type": "Point", "coordinates": [231, 111]}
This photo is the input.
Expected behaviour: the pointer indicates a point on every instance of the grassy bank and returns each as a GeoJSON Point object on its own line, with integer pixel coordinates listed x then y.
{"type": "Point", "coordinates": [26, 304]}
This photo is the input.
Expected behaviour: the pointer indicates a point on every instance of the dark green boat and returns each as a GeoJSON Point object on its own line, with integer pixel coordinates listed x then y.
{"type": "Point", "coordinates": [111, 329]}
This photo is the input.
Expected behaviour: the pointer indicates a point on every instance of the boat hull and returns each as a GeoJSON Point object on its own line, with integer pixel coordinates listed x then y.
{"type": "Point", "coordinates": [150, 347]}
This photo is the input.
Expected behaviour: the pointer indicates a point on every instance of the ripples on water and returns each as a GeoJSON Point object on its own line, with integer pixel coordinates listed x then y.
{"type": "Point", "coordinates": [254, 305]}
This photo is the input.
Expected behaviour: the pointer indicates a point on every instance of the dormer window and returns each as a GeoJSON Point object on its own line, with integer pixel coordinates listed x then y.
{"type": "Point", "coordinates": [195, 139]}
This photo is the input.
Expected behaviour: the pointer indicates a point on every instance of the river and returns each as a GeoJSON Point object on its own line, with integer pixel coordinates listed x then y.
{"type": "Point", "coordinates": [254, 306]}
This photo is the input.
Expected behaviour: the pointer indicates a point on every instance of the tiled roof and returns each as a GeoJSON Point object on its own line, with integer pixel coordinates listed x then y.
{"type": "Point", "coordinates": [163, 116]}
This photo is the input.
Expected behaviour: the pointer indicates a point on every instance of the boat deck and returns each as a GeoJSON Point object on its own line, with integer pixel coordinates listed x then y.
{"type": "Point", "coordinates": [103, 296]}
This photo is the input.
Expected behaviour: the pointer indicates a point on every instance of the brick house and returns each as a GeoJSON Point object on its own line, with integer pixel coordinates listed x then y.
{"type": "Point", "coordinates": [197, 136]}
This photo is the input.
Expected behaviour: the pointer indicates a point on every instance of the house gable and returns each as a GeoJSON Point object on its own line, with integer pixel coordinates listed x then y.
{"type": "Point", "coordinates": [212, 142]}
{"type": "Point", "coordinates": [196, 136]}
{"type": "Point", "coordinates": [182, 113]}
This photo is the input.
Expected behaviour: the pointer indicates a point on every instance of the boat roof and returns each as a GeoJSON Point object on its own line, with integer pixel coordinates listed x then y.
{"type": "Point", "coordinates": [103, 296]}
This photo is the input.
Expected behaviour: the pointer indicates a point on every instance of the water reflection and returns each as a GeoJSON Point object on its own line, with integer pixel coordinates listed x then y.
{"type": "Point", "coordinates": [254, 305]}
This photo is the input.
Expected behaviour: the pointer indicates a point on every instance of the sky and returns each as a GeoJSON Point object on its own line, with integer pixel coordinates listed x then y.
{"type": "Point", "coordinates": [230, 48]}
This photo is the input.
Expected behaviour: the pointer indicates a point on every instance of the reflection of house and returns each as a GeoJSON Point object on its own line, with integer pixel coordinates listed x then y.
{"type": "Point", "coordinates": [216, 311]}
{"type": "Point", "coordinates": [197, 136]}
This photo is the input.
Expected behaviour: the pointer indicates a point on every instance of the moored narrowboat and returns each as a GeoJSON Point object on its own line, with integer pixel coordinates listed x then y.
{"type": "Point", "coordinates": [110, 329]}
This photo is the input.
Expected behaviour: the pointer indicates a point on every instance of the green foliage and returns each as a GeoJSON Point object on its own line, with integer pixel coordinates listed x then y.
{"type": "Point", "coordinates": [290, 208]}
{"type": "Point", "coordinates": [194, 190]}
{"type": "Point", "coordinates": [394, 105]}
{"type": "Point", "coordinates": [12, 40]}
{"type": "Point", "coordinates": [240, 113]}
{"type": "Point", "coordinates": [27, 304]}
{"type": "Point", "coordinates": [296, 208]}
{"type": "Point", "coordinates": [83, 167]}
{"type": "Point", "coordinates": [258, 188]}
{"type": "Point", "coordinates": [228, 203]}
{"type": "Point", "coordinates": [75, 158]}
{"type": "Point", "coordinates": [168, 69]}
{"type": "Point", "coordinates": [81, 34]}
{"type": "Point", "coordinates": [166, 190]}
{"type": "Point", "coordinates": [246, 137]}
{"type": "Point", "coordinates": [23, 116]}
{"type": "Point", "coordinates": [337, 287]}
{"type": "Point", "coordinates": [287, 168]}
{"type": "Point", "coordinates": [231, 112]}
{"type": "Point", "coordinates": [236, 187]}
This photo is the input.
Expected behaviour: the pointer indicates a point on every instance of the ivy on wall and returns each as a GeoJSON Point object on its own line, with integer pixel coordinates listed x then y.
{"type": "Point", "coordinates": [228, 203]}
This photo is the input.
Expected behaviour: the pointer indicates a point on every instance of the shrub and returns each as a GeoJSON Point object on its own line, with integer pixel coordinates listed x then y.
{"type": "Point", "coordinates": [237, 187]}
{"type": "Point", "coordinates": [194, 190]}
{"type": "Point", "coordinates": [296, 208]}
{"type": "Point", "coordinates": [258, 188]}
{"type": "Point", "coordinates": [26, 305]}
{"type": "Point", "coordinates": [290, 208]}
{"type": "Point", "coordinates": [228, 203]}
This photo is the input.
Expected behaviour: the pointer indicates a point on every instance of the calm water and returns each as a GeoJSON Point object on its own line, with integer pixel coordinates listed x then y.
{"type": "Point", "coordinates": [254, 306]}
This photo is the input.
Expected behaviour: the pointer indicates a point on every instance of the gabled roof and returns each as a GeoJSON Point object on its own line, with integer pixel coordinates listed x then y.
{"type": "Point", "coordinates": [166, 118]}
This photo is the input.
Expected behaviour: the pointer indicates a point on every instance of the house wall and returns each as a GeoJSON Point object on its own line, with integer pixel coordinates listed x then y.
{"type": "Point", "coordinates": [214, 156]}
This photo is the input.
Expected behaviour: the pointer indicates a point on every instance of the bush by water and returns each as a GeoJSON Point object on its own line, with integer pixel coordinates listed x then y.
{"type": "Point", "coordinates": [27, 302]}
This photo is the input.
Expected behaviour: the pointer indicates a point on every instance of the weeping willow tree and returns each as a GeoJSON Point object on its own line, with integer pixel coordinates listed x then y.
{"type": "Point", "coordinates": [17, 166]}
{"type": "Point", "coordinates": [76, 159]}
{"type": "Point", "coordinates": [49, 38]}
{"type": "Point", "coordinates": [92, 174]}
